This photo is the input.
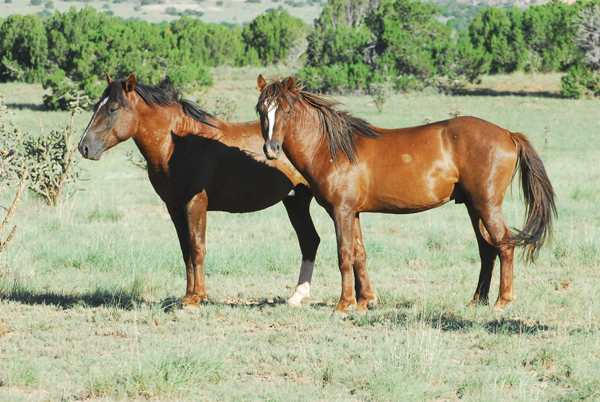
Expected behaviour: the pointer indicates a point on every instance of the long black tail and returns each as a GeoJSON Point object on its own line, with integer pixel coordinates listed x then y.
{"type": "Point", "coordinates": [539, 199]}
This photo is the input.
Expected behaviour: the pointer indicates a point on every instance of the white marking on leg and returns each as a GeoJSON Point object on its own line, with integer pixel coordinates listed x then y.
{"type": "Point", "coordinates": [93, 118]}
{"type": "Point", "coordinates": [292, 193]}
{"type": "Point", "coordinates": [303, 288]}
{"type": "Point", "coordinates": [271, 119]}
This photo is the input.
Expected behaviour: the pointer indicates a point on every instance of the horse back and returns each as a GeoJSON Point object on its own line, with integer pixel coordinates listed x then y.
{"type": "Point", "coordinates": [418, 168]}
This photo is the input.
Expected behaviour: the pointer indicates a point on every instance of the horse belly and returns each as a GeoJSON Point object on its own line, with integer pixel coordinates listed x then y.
{"type": "Point", "coordinates": [249, 192]}
{"type": "Point", "coordinates": [411, 190]}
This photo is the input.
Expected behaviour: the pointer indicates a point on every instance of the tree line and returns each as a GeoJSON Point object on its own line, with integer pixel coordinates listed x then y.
{"type": "Point", "coordinates": [69, 51]}
{"type": "Point", "coordinates": [355, 45]}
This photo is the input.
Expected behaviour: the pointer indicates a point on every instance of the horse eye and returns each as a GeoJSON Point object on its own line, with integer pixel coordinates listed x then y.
{"type": "Point", "coordinates": [112, 109]}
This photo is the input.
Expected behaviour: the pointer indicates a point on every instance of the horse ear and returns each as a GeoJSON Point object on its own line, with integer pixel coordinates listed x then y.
{"type": "Point", "coordinates": [261, 82]}
{"type": "Point", "coordinates": [108, 79]}
{"type": "Point", "coordinates": [290, 85]}
{"type": "Point", "coordinates": [130, 84]}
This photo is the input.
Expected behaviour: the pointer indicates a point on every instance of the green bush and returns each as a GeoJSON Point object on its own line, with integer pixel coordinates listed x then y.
{"type": "Point", "coordinates": [276, 37]}
{"type": "Point", "coordinates": [583, 78]}
{"type": "Point", "coordinates": [23, 49]}
{"type": "Point", "coordinates": [398, 42]}
{"type": "Point", "coordinates": [499, 33]}
{"type": "Point", "coordinates": [35, 2]}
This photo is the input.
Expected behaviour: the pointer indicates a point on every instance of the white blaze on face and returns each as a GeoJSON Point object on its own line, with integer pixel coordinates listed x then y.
{"type": "Point", "coordinates": [94, 117]}
{"type": "Point", "coordinates": [271, 118]}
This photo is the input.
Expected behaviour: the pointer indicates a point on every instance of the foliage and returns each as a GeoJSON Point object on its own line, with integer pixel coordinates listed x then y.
{"type": "Point", "coordinates": [11, 162]}
{"type": "Point", "coordinates": [10, 212]}
{"type": "Point", "coordinates": [548, 31]}
{"type": "Point", "coordinates": [225, 108]}
{"type": "Point", "coordinates": [23, 49]}
{"type": "Point", "coordinates": [499, 34]}
{"type": "Point", "coordinates": [136, 159]}
{"type": "Point", "coordinates": [276, 37]}
{"type": "Point", "coordinates": [51, 157]}
{"type": "Point", "coordinates": [583, 78]}
{"type": "Point", "coordinates": [85, 43]}
{"type": "Point", "coordinates": [380, 92]}
{"type": "Point", "coordinates": [397, 40]}
{"type": "Point", "coordinates": [48, 157]}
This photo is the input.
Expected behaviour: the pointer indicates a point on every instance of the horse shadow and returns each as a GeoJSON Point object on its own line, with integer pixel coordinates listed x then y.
{"type": "Point", "coordinates": [447, 321]}
{"type": "Point", "coordinates": [124, 300]}
{"type": "Point", "coordinates": [396, 316]}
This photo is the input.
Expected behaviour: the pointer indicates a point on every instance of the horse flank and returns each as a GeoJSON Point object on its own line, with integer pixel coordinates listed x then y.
{"type": "Point", "coordinates": [158, 95]}
{"type": "Point", "coordinates": [339, 127]}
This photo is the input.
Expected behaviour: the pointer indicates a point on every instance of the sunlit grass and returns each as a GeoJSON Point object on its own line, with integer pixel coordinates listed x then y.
{"type": "Point", "coordinates": [90, 290]}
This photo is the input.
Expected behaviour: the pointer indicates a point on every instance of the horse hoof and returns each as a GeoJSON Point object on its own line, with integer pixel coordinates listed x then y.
{"type": "Point", "coordinates": [361, 311]}
{"type": "Point", "coordinates": [372, 303]}
{"type": "Point", "coordinates": [499, 306]}
{"type": "Point", "coordinates": [190, 308]}
{"type": "Point", "coordinates": [342, 312]}
{"type": "Point", "coordinates": [294, 303]}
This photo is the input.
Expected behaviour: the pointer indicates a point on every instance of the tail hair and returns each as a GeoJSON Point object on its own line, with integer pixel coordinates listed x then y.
{"type": "Point", "coordinates": [539, 200]}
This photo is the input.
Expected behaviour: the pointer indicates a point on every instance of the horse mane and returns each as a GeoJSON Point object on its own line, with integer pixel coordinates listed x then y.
{"type": "Point", "coordinates": [158, 95]}
{"type": "Point", "coordinates": [340, 128]}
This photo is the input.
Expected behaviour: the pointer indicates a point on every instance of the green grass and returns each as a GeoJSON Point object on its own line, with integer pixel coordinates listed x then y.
{"type": "Point", "coordinates": [89, 290]}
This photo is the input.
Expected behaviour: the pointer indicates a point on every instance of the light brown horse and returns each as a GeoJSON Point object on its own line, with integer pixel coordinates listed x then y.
{"type": "Point", "coordinates": [198, 163]}
{"type": "Point", "coordinates": [353, 167]}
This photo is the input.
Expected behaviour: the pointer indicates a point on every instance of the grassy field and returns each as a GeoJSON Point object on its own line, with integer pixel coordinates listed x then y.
{"type": "Point", "coordinates": [89, 290]}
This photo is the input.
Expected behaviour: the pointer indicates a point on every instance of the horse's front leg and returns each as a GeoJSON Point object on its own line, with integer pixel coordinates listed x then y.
{"type": "Point", "coordinates": [344, 230]}
{"type": "Point", "coordinates": [196, 224]}
{"type": "Point", "coordinates": [179, 218]}
{"type": "Point", "coordinates": [364, 291]}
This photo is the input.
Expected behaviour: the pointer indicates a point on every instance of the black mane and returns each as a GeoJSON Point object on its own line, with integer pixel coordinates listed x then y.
{"type": "Point", "coordinates": [157, 95]}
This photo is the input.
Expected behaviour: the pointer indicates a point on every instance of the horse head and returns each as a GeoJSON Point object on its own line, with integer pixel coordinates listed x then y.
{"type": "Point", "coordinates": [275, 106]}
{"type": "Point", "coordinates": [113, 121]}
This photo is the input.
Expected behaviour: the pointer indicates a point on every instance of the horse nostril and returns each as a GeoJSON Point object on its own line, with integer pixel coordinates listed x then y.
{"type": "Point", "coordinates": [86, 151]}
{"type": "Point", "coordinates": [278, 147]}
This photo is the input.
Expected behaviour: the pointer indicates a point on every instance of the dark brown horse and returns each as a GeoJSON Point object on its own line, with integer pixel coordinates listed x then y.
{"type": "Point", "coordinates": [353, 167]}
{"type": "Point", "coordinates": [198, 163]}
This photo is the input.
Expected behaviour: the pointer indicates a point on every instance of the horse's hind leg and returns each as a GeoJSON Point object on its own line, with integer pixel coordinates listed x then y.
{"type": "Point", "coordinates": [365, 294]}
{"type": "Point", "coordinates": [298, 209]}
{"type": "Point", "coordinates": [497, 228]}
{"type": "Point", "coordinates": [487, 254]}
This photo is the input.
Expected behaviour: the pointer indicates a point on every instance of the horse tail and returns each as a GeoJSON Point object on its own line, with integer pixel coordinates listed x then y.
{"type": "Point", "coordinates": [539, 200]}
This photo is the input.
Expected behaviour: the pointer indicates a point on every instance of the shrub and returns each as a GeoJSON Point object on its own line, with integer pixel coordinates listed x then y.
{"type": "Point", "coordinates": [23, 49]}
{"type": "Point", "coordinates": [583, 78]}
{"type": "Point", "coordinates": [380, 92]}
{"type": "Point", "coordinates": [49, 157]}
{"type": "Point", "coordinates": [49, 5]}
{"type": "Point", "coordinates": [276, 37]}
{"type": "Point", "coordinates": [35, 2]}
{"type": "Point", "coordinates": [11, 211]}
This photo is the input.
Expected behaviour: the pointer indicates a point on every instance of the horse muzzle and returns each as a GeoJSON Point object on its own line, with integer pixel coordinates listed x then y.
{"type": "Point", "coordinates": [91, 150]}
{"type": "Point", "coordinates": [272, 149]}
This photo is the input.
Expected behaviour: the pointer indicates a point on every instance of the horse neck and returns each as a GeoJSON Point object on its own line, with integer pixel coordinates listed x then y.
{"type": "Point", "coordinates": [304, 145]}
{"type": "Point", "coordinates": [156, 127]}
